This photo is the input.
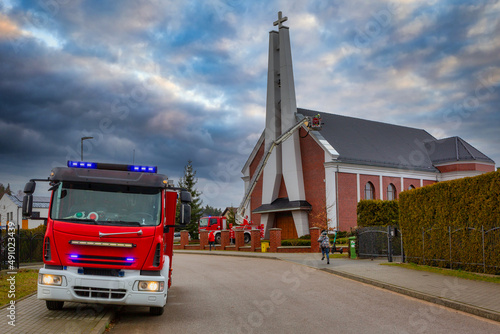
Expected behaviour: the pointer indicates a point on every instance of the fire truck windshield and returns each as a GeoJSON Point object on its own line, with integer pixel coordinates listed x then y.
{"type": "Point", "coordinates": [203, 222]}
{"type": "Point", "coordinates": [106, 204]}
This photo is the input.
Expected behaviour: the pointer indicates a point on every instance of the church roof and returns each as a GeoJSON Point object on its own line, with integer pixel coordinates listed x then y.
{"type": "Point", "coordinates": [454, 149]}
{"type": "Point", "coordinates": [360, 141]}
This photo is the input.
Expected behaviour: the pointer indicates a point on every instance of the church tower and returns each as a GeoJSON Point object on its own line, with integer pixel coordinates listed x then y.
{"type": "Point", "coordinates": [283, 171]}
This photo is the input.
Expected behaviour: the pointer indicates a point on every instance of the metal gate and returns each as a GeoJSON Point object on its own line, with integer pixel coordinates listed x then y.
{"type": "Point", "coordinates": [379, 241]}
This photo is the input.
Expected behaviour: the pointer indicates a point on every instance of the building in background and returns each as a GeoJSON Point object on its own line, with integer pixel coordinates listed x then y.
{"type": "Point", "coordinates": [317, 178]}
{"type": "Point", "coordinates": [11, 211]}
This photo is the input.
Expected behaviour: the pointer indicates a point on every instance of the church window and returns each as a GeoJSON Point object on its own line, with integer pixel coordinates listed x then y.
{"type": "Point", "coordinates": [391, 192]}
{"type": "Point", "coordinates": [369, 191]}
{"type": "Point", "coordinates": [411, 187]}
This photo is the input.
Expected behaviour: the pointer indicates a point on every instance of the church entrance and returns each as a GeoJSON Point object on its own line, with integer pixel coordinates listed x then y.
{"type": "Point", "coordinates": [284, 221]}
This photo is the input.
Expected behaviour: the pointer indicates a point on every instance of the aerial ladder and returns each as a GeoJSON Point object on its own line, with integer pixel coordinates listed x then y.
{"type": "Point", "coordinates": [311, 122]}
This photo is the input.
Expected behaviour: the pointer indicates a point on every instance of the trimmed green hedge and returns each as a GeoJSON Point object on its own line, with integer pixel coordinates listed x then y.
{"type": "Point", "coordinates": [460, 210]}
{"type": "Point", "coordinates": [295, 242]}
{"type": "Point", "coordinates": [377, 213]}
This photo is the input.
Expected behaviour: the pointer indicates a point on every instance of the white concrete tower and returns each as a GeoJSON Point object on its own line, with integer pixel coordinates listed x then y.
{"type": "Point", "coordinates": [281, 107]}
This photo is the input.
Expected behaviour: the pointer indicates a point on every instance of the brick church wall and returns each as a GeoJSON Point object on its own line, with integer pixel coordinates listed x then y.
{"type": "Point", "coordinates": [413, 182]}
{"type": "Point", "coordinates": [396, 181]}
{"type": "Point", "coordinates": [374, 179]}
{"type": "Point", "coordinates": [466, 167]}
{"type": "Point", "coordinates": [429, 182]}
{"type": "Point", "coordinates": [313, 158]}
{"type": "Point", "coordinates": [256, 198]}
{"type": "Point", "coordinates": [347, 201]}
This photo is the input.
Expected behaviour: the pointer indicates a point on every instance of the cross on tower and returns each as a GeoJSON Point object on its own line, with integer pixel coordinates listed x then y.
{"type": "Point", "coordinates": [280, 20]}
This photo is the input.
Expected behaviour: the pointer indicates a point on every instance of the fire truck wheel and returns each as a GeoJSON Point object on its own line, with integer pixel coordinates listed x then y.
{"type": "Point", "coordinates": [54, 305]}
{"type": "Point", "coordinates": [246, 238]}
{"type": "Point", "coordinates": [154, 310]}
{"type": "Point", "coordinates": [217, 239]}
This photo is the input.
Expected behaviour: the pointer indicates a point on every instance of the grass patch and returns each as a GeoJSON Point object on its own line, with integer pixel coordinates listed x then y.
{"type": "Point", "coordinates": [26, 284]}
{"type": "Point", "coordinates": [448, 272]}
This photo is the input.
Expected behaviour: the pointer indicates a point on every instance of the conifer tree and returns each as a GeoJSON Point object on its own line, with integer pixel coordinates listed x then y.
{"type": "Point", "coordinates": [188, 182]}
{"type": "Point", "coordinates": [230, 216]}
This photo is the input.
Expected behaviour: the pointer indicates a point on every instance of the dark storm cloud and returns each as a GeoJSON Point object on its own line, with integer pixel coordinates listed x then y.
{"type": "Point", "coordinates": [164, 82]}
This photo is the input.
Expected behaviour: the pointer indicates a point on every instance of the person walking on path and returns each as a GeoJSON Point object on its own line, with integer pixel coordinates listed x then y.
{"type": "Point", "coordinates": [325, 246]}
{"type": "Point", "coordinates": [211, 240]}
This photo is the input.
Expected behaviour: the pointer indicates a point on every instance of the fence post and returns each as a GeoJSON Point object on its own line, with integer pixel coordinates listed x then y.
{"type": "Point", "coordinates": [484, 257]}
{"type": "Point", "coordinates": [18, 246]}
{"type": "Point", "coordinates": [274, 239]}
{"type": "Point", "coordinates": [423, 245]}
{"type": "Point", "coordinates": [402, 249]}
{"type": "Point", "coordinates": [389, 243]}
{"type": "Point", "coordinates": [451, 259]}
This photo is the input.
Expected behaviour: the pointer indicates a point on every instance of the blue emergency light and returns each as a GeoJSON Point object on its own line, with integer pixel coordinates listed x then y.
{"type": "Point", "coordinates": [98, 165]}
{"type": "Point", "coordinates": [142, 169]}
{"type": "Point", "coordinates": [82, 164]}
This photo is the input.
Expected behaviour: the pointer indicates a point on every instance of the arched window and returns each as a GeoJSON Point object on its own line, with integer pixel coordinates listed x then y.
{"type": "Point", "coordinates": [411, 187]}
{"type": "Point", "coordinates": [391, 192]}
{"type": "Point", "coordinates": [369, 191]}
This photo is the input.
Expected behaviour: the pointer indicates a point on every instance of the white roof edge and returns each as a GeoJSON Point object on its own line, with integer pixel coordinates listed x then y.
{"type": "Point", "coordinates": [316, 135]}
{"type": "Point", "coordinates": [254, 153]}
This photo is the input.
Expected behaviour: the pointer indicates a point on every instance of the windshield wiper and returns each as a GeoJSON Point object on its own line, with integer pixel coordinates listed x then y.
{"type": "Point", "coordinates": [119, 222]}
{"type": "Point", "coordinates": [79, 220]}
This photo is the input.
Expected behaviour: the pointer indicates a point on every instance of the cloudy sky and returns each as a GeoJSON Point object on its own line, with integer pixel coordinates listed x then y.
{"type": "Point", "coordinates": [163, 82]}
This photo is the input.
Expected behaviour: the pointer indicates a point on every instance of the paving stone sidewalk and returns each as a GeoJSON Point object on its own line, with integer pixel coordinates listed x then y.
{"type": "Point", "coordinates": [31, 316]}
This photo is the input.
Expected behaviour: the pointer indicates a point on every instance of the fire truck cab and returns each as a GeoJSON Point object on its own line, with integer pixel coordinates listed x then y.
{"type": "Point", "coordinates": [109, 236]}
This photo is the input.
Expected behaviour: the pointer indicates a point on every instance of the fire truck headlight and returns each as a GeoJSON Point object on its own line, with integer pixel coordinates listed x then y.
{"type": "Point", "coordinates": [47, 279]}
{"type": "Point", "coordinates": [151, 286]}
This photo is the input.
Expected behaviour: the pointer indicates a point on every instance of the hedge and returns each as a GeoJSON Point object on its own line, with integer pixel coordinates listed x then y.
{"type": "Point", "coordinates": [460, 210]}
{"type": "Point", "coordinates": [295, 242]}
{"type": "Point", "coordinates": [377, 213]}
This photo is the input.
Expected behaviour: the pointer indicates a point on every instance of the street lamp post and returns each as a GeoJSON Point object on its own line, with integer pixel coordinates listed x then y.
{"type": "Point", "coordinates": [84, 138]}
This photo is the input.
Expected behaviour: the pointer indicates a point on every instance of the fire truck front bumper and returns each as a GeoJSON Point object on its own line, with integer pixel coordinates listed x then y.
{"type": "Point", "coordinates": [130, 289]}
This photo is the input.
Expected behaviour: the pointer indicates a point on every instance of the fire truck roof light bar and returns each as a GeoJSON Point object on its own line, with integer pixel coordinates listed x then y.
{"type": "Point", "coordinates": [98, 165]}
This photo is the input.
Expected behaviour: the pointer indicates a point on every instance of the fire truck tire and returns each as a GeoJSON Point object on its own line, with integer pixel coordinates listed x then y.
{"type": "Point", "coordinates": [155, 310]}
{"type": "Point", "coordinates": [246, 238]}
{"type": "Point", "coordinates": [217, 239]}
{"type": "Point", "coordinates": [54, 305]}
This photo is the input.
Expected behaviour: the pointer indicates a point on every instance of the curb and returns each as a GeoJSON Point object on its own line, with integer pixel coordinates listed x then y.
{"type": "Point", "coordinates": [105, 321]}
{"type": "Point", "coordinates": [484, 313]}
{"type": "Point", "coordinates": [243, 254]}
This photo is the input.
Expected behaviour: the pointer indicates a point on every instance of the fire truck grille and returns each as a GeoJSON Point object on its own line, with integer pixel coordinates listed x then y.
{"type": "Point", "coordinates": [103, 293]}
{"type": "Point", "coordinates": [106, 260]}
{"type": "Point", "coordinates": [101, 272]}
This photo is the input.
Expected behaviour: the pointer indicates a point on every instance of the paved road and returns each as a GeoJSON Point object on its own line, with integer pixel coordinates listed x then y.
{"type": "Point", "coordinates": [218, 294]}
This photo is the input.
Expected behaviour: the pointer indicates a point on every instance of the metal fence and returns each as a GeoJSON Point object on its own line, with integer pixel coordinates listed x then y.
{"type": "Point", "coordinates": [379, 241]}
{"type": "Point", "coordinates": [20, 247]}
{"type": "Point", "coordinates": [470, 248]}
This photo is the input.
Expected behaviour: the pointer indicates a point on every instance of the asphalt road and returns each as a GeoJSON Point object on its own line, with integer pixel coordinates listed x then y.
{"type": "Point", "coordinates": [219, 294]}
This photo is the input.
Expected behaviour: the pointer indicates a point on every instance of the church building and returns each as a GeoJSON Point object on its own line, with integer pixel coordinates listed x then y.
{"type": "Point", "coordinates": [318, 177]}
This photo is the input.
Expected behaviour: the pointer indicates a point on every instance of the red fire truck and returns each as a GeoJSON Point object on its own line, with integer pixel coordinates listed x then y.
{"type": "Point", "coordinates": [109, 235]}
{"type": "Point", "coordinates": [219, 223]}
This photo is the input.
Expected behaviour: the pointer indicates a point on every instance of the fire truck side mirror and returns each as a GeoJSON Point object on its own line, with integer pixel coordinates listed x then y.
{"type": "Point", "coordinates": [185, 196]}
{"type": "Point", "coordinates": [27, 205]}
{"type": "Point", "coordinates": [185, 213]}
{"type": "Point", "coordinates": [29, 188]}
